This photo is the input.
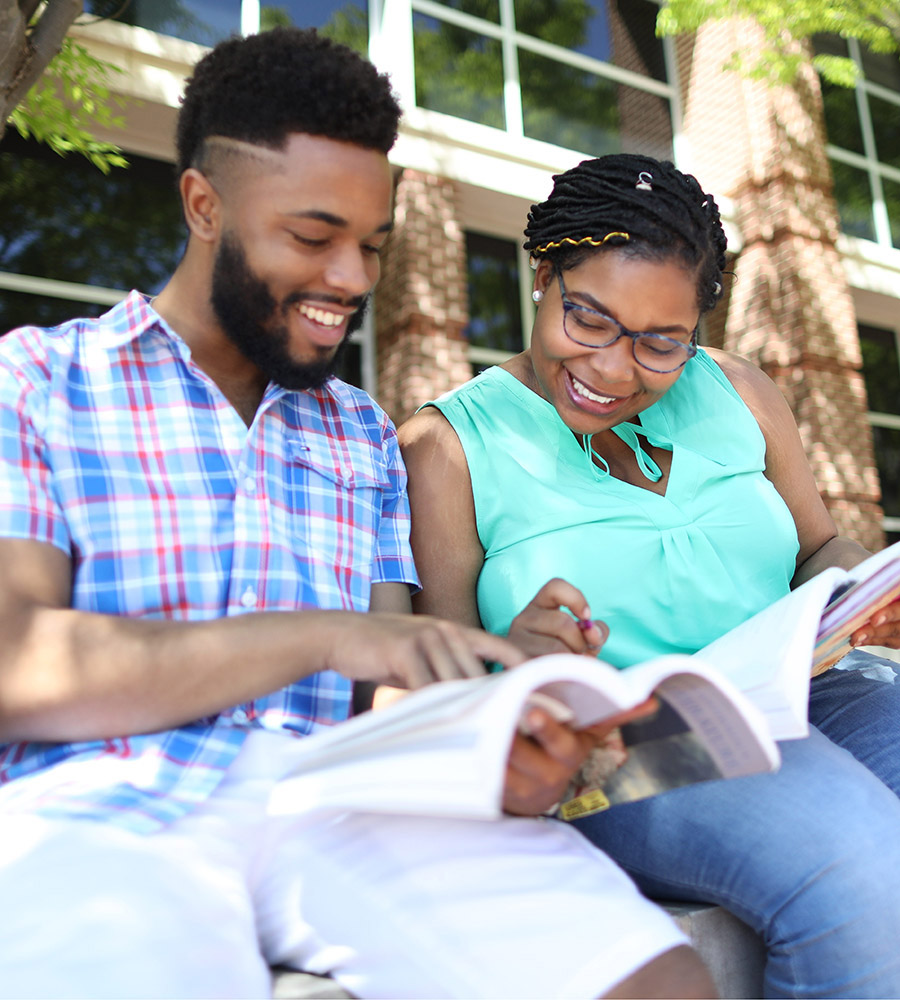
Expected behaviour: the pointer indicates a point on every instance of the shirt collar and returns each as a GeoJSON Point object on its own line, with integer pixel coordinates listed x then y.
{"type": "Point", "coordinates": [134, 316]}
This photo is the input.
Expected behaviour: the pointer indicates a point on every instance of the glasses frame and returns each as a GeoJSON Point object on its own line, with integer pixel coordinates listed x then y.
{"type": "Point", "coordinates": [568, 305]}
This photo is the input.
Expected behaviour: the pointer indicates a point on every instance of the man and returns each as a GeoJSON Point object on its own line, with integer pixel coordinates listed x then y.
{"type": "Point", "coordinates": [204, 542]}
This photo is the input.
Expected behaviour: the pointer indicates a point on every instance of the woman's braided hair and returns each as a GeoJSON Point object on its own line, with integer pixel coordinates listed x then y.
{"type": "Point", "coordinates": [638, 205]}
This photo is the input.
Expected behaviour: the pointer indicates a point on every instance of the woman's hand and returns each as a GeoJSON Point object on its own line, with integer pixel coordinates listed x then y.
{"type": "Point", "coordinates": [883, 629]}
{"type": "Point", "coordinates": [542, 764]}
{"type": "Point", "coordinates": [545, 627]}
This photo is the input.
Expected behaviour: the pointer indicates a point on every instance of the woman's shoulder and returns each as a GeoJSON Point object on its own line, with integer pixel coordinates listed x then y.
{"type": "Point", "coordinates": [760, 394]}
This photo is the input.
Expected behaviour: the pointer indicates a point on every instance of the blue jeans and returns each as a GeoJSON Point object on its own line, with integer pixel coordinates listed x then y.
{"type": "Point", "coordinates": [809, 856]}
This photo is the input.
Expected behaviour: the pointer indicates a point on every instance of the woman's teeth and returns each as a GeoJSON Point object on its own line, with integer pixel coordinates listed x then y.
{"type": "Point", "coordinates": [583, 390]}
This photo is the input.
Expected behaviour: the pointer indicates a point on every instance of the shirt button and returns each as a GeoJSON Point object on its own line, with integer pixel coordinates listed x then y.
{"type": "Point", "coordinates": [249, 485]}
{"type": "Point", "coordinates": [248, 598]}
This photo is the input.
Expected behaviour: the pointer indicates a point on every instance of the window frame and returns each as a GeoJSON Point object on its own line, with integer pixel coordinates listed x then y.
{"type": "Point", "coordinates": [867, 161]}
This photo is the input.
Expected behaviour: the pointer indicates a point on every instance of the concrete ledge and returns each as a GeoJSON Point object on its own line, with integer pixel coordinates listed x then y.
{"type": "Point", "coordinates": [732, 952]}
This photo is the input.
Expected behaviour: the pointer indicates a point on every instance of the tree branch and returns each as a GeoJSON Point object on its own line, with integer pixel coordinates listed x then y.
{"type": "Point", "coordinates": [39, 47]}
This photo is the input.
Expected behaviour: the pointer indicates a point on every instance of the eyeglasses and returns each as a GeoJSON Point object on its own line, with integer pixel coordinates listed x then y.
{"type": "Point", "coordinates": [653, 351]}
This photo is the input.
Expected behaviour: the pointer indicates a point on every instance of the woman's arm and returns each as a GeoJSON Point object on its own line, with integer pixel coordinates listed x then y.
{"type": "Point", "coordinates": [449, 555]}
{"type": "Point", "coordinates": [444, 536]}
{"type": "Point", "coordinates": [788, 469]}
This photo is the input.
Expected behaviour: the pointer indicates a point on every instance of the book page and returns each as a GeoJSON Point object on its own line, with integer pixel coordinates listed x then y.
{"type": "Point", "coordinates": [877, 584]}
{"type": "Point", "coordinates": [769, 657]}
{"type": "Point", "coordinates": [442, 751]}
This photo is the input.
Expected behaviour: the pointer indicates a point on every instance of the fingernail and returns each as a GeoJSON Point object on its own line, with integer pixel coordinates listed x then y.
{"type": "Point", "coordinates": [862, 639]}
{"type": "Point", "coordinates": [535, 721]}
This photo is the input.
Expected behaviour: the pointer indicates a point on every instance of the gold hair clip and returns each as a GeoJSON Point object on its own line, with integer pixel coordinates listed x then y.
{"type": "Point", "coordinates": [584, 239]}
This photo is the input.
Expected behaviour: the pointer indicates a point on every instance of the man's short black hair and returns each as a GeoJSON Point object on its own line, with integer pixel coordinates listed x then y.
{"type": "Point", "coordinates": [264, 87]}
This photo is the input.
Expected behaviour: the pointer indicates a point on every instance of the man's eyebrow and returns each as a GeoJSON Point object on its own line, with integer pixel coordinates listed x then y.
{"type": "Point", "coordinates": [329, 218]}
{"type": "Point", "coordinates": [598, 306]}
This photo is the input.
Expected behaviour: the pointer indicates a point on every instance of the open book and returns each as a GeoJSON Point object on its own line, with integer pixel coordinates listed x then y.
{"type": "Point", "coordinates": [771, 656]}
{"type": "Point", "coordinates": [442, 750]}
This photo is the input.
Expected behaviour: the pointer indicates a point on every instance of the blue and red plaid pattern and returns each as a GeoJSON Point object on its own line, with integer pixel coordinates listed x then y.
{"type": "Point", "coordinates": [117, 449]}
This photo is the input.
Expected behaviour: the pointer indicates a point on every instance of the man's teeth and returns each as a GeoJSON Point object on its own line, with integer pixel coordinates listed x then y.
{"type": "Point", "coordinates": [583, 390]}
{"type": "Point", "coordinates": [321, 316]}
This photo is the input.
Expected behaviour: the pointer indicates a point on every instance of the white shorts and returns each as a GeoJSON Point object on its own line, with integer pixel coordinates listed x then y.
{"type": "Point", "coordinates": [390, 906]}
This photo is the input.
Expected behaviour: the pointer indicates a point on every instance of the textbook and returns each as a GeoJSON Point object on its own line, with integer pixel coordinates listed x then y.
{"type": "Point", "coordinates": [442, 750]}
{"type": "Point", "coordinates": [771, 656]}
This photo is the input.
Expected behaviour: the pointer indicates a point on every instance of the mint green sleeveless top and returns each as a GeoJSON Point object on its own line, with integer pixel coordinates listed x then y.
{"type": "Point", "coordinates": [666, 573]}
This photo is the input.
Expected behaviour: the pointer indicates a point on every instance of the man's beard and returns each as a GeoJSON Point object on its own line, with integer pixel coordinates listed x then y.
{"type": "Point", "coordinates": [249, 316]}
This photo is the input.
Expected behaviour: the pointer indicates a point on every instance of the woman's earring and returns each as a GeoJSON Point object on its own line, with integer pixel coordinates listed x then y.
{"type": "Point", "coordinates": [537, 295]}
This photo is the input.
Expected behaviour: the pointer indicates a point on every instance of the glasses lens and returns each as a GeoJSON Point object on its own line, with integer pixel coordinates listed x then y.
{"type": "Point", "coordinates": [589, 328]}
{"type": "Point", "coordinates": [660, 354]}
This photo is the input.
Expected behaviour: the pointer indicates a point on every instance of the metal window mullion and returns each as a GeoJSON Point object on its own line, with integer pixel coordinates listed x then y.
{"type": "Point", "coordinates": [879, 207]}
{"type": "Point", "coordinates": [391, 48]}
{"type": "Point", "coordinates": [680, 145]}
{"type": "Point", "coordinates": [889, 420]}
{"type": "Point", "coordinates": [487, 355]}
{"type": "Point", "coordinates": [512, 91]}
{"type": "Point", "coordinates": [452, 16]}
{"type": "Point", "coordinates": [596, 66]}
{"type": "Point", "coordinates": [53, 288]}
{"type": "Point", "coordinates": [249, 17]}
{"type": "Point", "coordinates": [526, 303]}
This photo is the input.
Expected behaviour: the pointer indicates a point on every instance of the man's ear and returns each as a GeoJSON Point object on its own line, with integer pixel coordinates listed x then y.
{"type": "Point", "coordinates": [201, 204]}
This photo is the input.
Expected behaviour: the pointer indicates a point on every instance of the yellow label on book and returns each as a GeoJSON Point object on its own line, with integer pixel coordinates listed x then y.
{"type": "Point", "coordinates": [584, 805]}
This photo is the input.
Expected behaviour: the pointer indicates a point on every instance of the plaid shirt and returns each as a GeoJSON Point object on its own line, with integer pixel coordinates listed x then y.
{"type": "Point", "coordinates": [116, 448]}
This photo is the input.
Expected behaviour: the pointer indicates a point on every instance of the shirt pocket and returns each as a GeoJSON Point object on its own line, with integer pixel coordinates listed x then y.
{"type": "Point", "coordinates": [335, 504]}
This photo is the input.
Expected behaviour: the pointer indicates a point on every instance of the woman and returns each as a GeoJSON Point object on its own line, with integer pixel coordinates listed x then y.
{"type": "Point", "coordinates": [614, 468]}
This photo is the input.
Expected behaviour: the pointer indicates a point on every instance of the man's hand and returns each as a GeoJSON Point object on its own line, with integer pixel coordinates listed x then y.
{"type": "Point", "coordinates": [410, 651]}
{"type": "Point", "coordinates": [541, 765]}
{"type": "Point", "coordinates": [545, 627]}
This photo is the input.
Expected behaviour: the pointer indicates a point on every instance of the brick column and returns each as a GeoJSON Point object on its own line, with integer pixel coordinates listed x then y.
{"type": "Point", "coordinates": [789, 307]}
{"type": "Point", "coordinates": [422, 298]}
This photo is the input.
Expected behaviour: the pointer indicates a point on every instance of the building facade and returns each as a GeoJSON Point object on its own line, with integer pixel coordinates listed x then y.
{"type": "Point", "coordinates": [499, 95]}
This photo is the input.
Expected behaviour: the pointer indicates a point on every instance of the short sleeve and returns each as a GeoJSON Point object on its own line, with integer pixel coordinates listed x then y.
{"type": "Point", "coordinates": [28, 505]}
{"type": "Point", "coordinates": [393, 562]}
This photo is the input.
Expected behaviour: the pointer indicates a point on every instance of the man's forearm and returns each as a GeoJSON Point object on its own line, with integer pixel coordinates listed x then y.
{"type": "Point", "coordinates": [70, 675]}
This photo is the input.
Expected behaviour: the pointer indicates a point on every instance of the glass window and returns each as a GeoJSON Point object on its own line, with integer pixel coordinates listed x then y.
{"type": "Point", "coordinates": [887, 458]}
{"type": "Point", "coordinates": [345, 21]}
{"type": "Point", "coordinates": [458, 72]}
{"type": "Point", "coordinates": [892, 204]}
{"type": "Point", "coordinates": [865, 122]}
{"type": "Point", "coordinates": [882, 68]}
{"type": "Point", "coordinates": [488, 10]}
{"type": "Point", "coordinates": [881, 368]}
{"type": "Point", "coordinates": [854, 197]}
{"type": "Point", "coordinates": [562, 91]}
{"type": "Point", "coordinates": [202, 21]}
{"type": "Point", "coordinates": [64, 219]}
{"type": "Point", "coordinates": [495, 314]}
{"type": "Point", "coordinates": [580, 110]}
{"type": "Point", "coordinates": [886, 126]}
{"type": "Point", "coordinates": [842, 117]}
{"type": "Point", "coordinates": [623, 33]}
